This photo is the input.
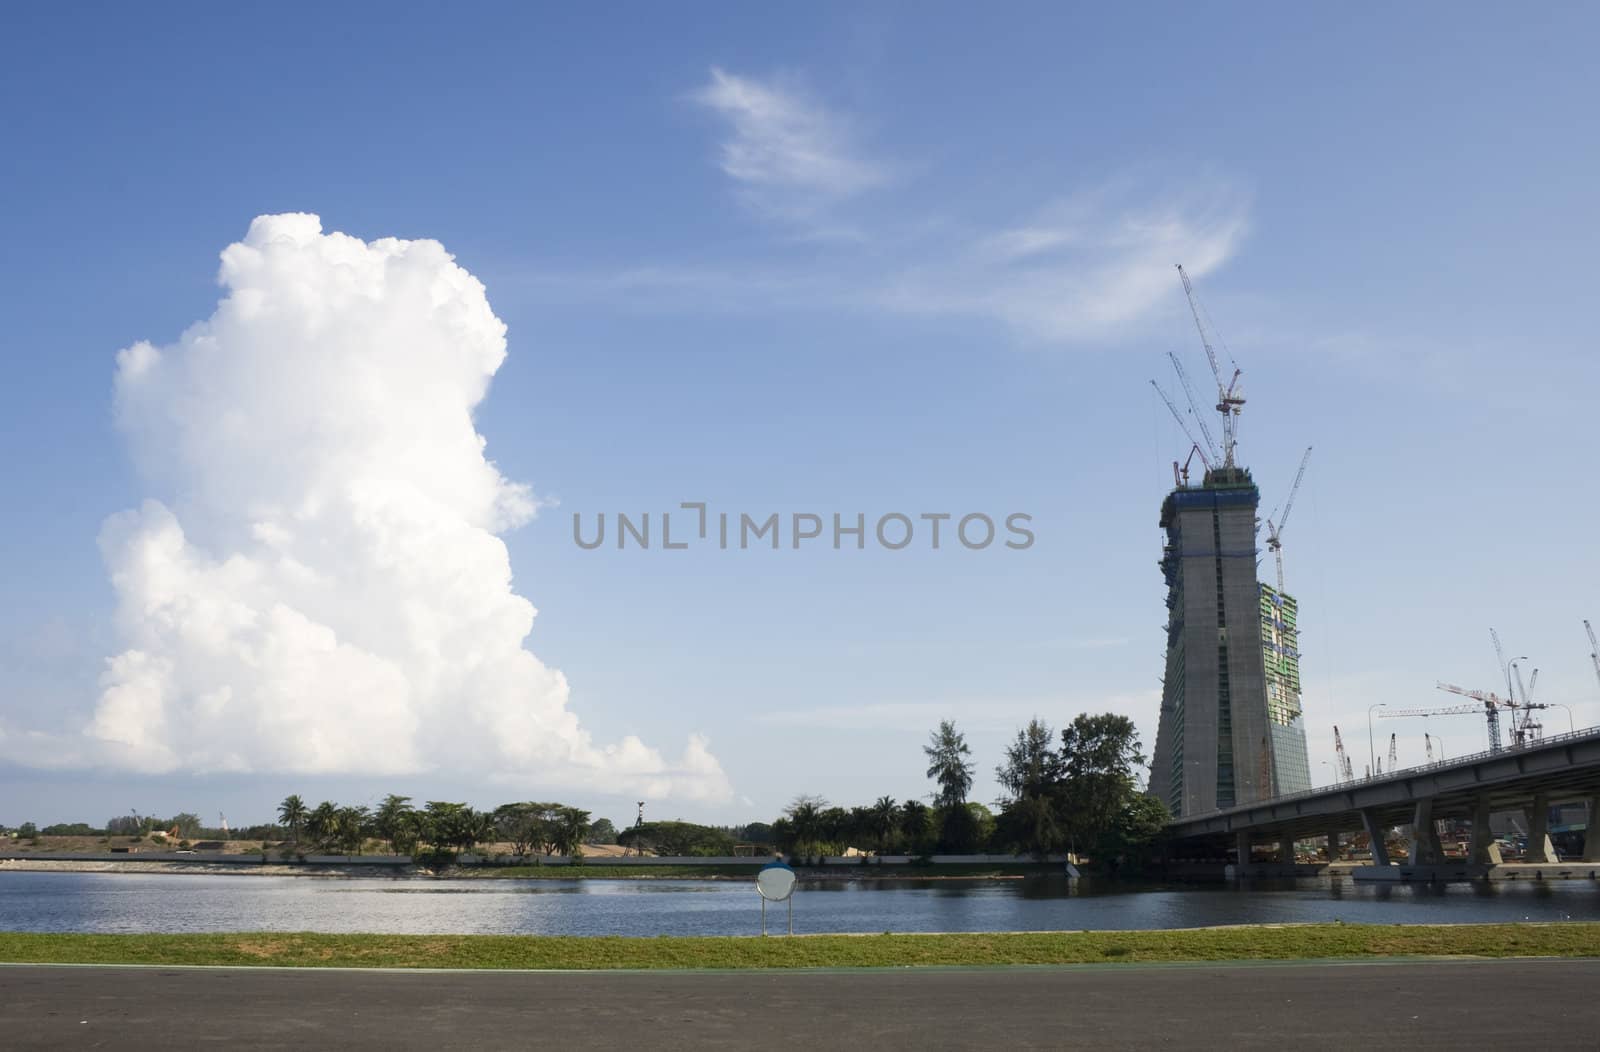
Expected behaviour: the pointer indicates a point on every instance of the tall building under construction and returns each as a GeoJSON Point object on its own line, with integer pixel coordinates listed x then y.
{"type": "Point", "coordinates": [1231, 731]}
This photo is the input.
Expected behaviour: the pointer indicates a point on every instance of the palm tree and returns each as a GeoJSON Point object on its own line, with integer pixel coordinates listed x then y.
{"type": "Point", "coordinates": [805, 817]}
{"type": "Point", "coordinates": [570, 826]}
{"type": "Point", "coordinates": [948, 765]}
{"type": "Point", "coordinates": [292, 813]}
{"type": "Point", "coordinates": [914, 824]}
{"type": "Point", "coordinates": [322, 823]}
{"type": "Point", "coordinates": [351, 825]}
{"type": "Point", "coordinates": [479, 828]}
{"type": "Point", "coordinates": [392, 820]}
{"type": "Point", "coordinates": [884, 813]}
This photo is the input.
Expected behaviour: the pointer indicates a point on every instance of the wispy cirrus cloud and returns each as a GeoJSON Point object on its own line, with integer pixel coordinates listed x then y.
{"type": "Point", "coordinates": [790, 155]}
{"type": "Point", "coordinates": [1087, 269]}
{"type": "Point", "coordinates": [1085, 264]}
{"type": "Point", "coordinates": [1084, 267]}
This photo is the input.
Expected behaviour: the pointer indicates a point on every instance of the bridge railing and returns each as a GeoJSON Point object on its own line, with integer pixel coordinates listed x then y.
{"type": "Point", "coordinates": [1412, 772]}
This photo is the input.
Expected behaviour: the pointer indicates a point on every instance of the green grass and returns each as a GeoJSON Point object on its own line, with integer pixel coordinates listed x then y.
{"type": "Point", "coordinates": [819, 951]}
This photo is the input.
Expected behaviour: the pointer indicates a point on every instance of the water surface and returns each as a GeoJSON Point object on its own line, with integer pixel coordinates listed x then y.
{"type": "Point", "coordinates": [128, 902]}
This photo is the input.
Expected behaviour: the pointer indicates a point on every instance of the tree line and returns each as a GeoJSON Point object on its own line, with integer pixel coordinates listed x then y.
{"type": "Point", "coordinates": [1078, 793]}
{"type": "Point", "coordinates": [442, 827]}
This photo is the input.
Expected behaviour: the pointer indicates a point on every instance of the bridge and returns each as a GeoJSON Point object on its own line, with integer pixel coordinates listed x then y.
{"type": "Point", "coordinates": [1526, 779]}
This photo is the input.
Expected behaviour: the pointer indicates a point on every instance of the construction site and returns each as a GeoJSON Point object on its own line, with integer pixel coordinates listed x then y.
{"type": "Point", "coordinates": [1232, 736]}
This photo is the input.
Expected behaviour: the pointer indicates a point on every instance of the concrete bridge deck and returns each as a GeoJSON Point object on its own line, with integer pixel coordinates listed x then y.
{"type": "Point", "coordinates": [1525, 779]}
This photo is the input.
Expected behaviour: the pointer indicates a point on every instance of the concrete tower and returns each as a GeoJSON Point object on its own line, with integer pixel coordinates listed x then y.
{"type": "Point", "coordinates": [1230, 730]}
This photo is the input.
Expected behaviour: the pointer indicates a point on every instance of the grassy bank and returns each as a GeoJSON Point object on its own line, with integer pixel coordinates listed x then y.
{"type": "Point", "coordinates": [819, 951]}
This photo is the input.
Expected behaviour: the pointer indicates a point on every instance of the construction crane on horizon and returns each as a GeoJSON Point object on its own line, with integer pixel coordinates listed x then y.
{"type": "Point", "coordinates": [1492, 703]}
{"type": "Point", "coordinates": [1195, 445]}
{"type": "Point", "coordinates": [1594, 649]}
{"type": "Point", "coordinates": [1453, 710]}
{"type": "Point", "coordinates": [1229, 400]}
{"type": "Point", "coordinates": [1345, 773]}
{"type": "Point", "coordinates": [1394, 761]}
{"type": "Point", "coordinates": [1511, 692]}
{"type": "Point", "coordinates": [1194, 405]}
{"type": "Point", "coordinates": [1531, 728]}
{"type": "Point", "coordinates": [1275, 533]}
{"type": "Point", "coordinates": [1427, 744]}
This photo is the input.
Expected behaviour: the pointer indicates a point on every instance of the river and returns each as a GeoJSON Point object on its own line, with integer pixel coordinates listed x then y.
{"type": "Point", "coordinates": [124, 902]}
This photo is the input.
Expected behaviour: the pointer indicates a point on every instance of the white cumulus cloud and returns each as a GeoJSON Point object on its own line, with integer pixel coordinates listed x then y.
{"type": "Point", "coordinates": [326, 590]}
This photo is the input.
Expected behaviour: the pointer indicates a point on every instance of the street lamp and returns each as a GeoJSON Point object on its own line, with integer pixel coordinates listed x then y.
{"type": "Point", "coordinates": [1572, 728]}
{"type": "Point", "coordinates": [1509, 694]}
{"type": "Point", "coordinates": [1516, 737]}
{"type": "Point", "coordinates": [1372, 750]}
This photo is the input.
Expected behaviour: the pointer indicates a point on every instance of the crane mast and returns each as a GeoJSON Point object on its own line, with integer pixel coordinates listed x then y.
{"type": "Point", "coordinates": [1393, 758]}
{"type": "Point", "coordinates": [1194, 405]}
{"type": "Point", "coordinates": [1345, 773]}
{"type": "Point", "coordinates": [1594, 649]}
{"type": "Point", "coordinates": [1491, 708]}
{"type": "Point", "coordinates": [1275, 533]}
{"type": "Point", "coordinates": [1229, 400]}
{"type": "Point", "coordinates": [1179, 418]}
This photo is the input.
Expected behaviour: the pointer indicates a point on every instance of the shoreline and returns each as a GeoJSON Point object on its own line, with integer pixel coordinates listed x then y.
{"type": "Point", "coordinates": [380, 870]}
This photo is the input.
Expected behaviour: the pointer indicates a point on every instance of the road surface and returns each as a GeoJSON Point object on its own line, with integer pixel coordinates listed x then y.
{"type": "Point", "coordinates": [1539, 1004]}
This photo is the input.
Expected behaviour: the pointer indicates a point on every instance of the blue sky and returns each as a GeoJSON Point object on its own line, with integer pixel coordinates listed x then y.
{"type": "Point", "coordinates": [843, 260]}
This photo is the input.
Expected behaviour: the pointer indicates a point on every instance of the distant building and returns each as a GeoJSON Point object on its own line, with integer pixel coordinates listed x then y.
{"type": "Point", "coordinates": [1280, 657]}
{"type": "Point", "coordinates": [1231, 729]}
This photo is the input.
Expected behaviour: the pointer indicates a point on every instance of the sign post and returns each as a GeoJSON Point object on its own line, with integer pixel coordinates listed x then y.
{"type": "Point", "coordinates": [775, 883]}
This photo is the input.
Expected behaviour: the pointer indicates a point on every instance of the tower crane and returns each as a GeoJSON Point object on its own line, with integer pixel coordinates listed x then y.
{"type": "Point", "coordinates": [1194, 404]}
{"type": "Point", "coordinates": [1491, 709]}
{"type": "Point", "coordinates": [1427, 743]}
{"type": "Point", "coordinates": [1345, 773]}
{"type": "Point", "coordinates": [1393, 759]}
{"type": "Point", "coordinates": [1275, 533]}
{"type": "Point", "coordinates": [1186, 432]}
{"type": "Point", "coordinates": [1594, 649]}
{"type": "Point", "coordinates": [1453, 710]}
{"type": "Point", "coordinates": [1530, 727]}
{"type": "Point", "coordinates": [1229, 400]}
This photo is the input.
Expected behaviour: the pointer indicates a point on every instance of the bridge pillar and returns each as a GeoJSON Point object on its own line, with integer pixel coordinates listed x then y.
{"type": "Point", "coordinates": [1333, 845]}
{"type": "Point", "coordinates": [1380, 850]}
{"type": "Point", "coordinates": [1539, 830]}
{"type": "Point", "coordinates": [1243, 845]}
{"type": "Point", "coordinates": [1591, 834]}
{"type": "Point", "coordinates": [1482, 838]}
{"type": "Point", "coordinates": [1286, 849]}
{"type": "Point", "coordinates": [1423, 836]}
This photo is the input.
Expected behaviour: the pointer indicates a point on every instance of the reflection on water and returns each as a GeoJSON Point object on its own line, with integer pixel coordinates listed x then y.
{"type": "Point", "coordinates": [113, 902]}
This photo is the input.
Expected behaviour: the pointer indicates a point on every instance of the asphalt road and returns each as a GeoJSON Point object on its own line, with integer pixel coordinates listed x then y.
{"type": "Point", "coordinates": [1417, 1005]}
